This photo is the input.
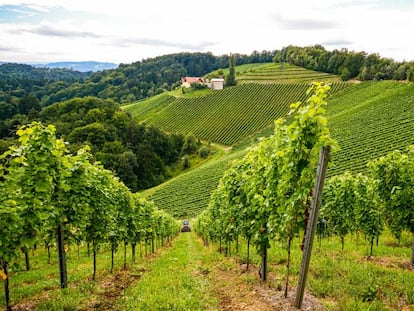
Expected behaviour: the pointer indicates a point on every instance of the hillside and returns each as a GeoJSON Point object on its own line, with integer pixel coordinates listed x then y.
{"type": "Point", "coordinates": [227, 116]}
{"type": "Point", "coordinates": [282, 73]}
{"type": "Point", "coordinates": [368, 120]}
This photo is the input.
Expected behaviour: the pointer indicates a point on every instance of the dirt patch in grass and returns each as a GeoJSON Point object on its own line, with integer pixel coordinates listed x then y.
{"type": "Point", "coordinates": [241, 289]}
{"type": "Point", "coordinates": [389, 262]}
{"type": "Point", "coordinates": [102, 294]}
{"type": "Point", "coordinates": [112, 287]}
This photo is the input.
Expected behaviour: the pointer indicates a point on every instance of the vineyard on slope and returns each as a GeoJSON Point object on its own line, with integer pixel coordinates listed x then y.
{"type": "Point", "coordinates": [283, 73]}
{"type": "Point", "coordinates": [146, 108]}
{"type": "Point", "coordinates": [228, 116]}
{"type": "Point", "coordinates": [188, 194]}
{"type": "Point", "coordinates": [368, 120]}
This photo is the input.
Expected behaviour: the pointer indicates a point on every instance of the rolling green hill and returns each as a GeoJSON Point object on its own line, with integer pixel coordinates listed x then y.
{"type": "Point", "coordinates": [282, 73]}
{"type": "Point", "coordinates": [368, 120]}
{"type": "Point", "coordinates": [226, 116]}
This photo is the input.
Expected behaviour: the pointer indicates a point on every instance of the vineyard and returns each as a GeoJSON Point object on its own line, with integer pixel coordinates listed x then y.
{"type": "Point", "coordinates": [183, 201]}
{"type": "Point", "coordinates": [380, 121]}
{"type": "Point", "coordinates": [230, 115]}
{"type": "Point", "coordinates": [267, 195]}
{"type": "Point", "coordinates": [250, 201]}
{"type": "Point", "coordinates": [348, 121]}
{"type": "Point", "coordinates": [146, 108]}
{"type": "Point", "coordinates": [50, 195]}
{"type": "Point", "coordinates": [283, 73]}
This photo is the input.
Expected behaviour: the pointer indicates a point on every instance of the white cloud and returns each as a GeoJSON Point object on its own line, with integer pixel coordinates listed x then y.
{"type": "Point", "coordinates": [126, 31]}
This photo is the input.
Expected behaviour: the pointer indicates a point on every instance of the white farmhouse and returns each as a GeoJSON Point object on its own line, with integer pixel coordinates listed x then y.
{"type": "Point", "coordinates": [217, 83]}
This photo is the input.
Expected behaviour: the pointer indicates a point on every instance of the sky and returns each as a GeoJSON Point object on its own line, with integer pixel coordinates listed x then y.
{"type": "Point", "coordinates": [125, 31]}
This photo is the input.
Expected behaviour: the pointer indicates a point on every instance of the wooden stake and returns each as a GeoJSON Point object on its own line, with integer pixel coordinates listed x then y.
{"type": "Point", "coordinates": [313, 220]}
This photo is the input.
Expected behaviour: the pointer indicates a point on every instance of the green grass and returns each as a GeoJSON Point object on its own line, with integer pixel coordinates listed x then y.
{"type": "Point", "coordinates": [349, 280]}
{"type": "Point", "coordinates": [174, 281]}
{"type": "Point", "coordinates": [41, 284]}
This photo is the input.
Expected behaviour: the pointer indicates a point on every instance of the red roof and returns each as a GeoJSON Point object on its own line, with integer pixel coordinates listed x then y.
{"type": "Point", "coordinates": [192, 80]}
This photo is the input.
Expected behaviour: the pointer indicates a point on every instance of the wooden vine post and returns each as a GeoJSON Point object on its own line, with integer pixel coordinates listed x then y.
{"type": "Point", "coordinates": [313, 220]}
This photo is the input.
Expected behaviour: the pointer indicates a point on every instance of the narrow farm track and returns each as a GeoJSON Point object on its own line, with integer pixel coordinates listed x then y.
{"type": "Point", "coordinates": [190, 276]}
{"type": "Point", "coordinates": [175, 281]}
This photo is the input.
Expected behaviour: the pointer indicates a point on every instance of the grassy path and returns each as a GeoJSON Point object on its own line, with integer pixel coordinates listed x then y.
{"type": "Point", "coordinates": [190, 276]}
{"type": "Point", "coordinates": [175, 281]}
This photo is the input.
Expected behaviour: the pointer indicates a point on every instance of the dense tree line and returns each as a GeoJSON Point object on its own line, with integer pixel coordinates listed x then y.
{"type": "Point", "coordinates": [17, 80]}
{"type": "Point", "coordinates": [139, 154]}
{"type": "Point", "coordinates": [127, 83]}
{"type": "Point", "coordinates": [347, 64]}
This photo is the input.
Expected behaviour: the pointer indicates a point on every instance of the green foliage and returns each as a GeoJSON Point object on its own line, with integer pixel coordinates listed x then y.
{"type": "Point", "coordinates": [190, 145]}
{"type": "Point", "coordinates": [46, 187]}
{"type": "Point", "coordinates": [394, 174]}
{"type": "Point", "coordinates": [204, 152]}
{"type": "Point", "coordinates": [339, 205]}
{"type": "Point", "coordinates": [281, 73]}
{"type": "Point", "coordinates": [232, 114]}
{"type": "Point", "coordinates": [231, 77]}
{"type": "Point", "coordinates": [138, 154]}
{"type": "Point", "coordinates": [264, 195]}
{"type": "Point", "coordinates": [348, 64]}
{"type": "Point", "coordinates": [186, 162]}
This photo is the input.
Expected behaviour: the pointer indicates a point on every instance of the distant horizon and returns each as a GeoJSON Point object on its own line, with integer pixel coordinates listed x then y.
{"type": "Point", "coordinates": [140, 60]}
{"type": "Point", "coordinates": [126, 32]}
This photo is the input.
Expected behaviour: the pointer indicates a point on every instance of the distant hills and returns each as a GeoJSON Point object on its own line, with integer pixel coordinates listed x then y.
{"type": "Point", "coordinates": [80, 66]}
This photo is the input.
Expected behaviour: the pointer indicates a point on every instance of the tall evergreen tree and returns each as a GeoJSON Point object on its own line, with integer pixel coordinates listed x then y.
{"type": "Point", "coordinates": [231, 77]}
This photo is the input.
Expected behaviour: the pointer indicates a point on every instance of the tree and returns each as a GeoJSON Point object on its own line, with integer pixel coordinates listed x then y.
{"type": "Point", "coordinates": [28, 103]}
{"type": "Point", "coordinates": [190, 144]}
{"type": "Point", "coordinates": [231, 77]}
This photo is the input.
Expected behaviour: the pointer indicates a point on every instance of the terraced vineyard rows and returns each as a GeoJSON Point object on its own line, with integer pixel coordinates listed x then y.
{"type": "Point", "coordinates": [188, 194]}
{"type": "Point", "coordinates": [285, 73]}
{"type": "Point", "coordinates": [230, 115]}
{"type": "Point", "coordinates": [368, 120]}
{"type": "Point", "coordinates": [146, 108]}
{"type": "Point", "coordinates": [382, 121]}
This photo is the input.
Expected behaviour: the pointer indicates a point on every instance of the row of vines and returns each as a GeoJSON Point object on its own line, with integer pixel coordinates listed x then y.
{"type": "Point", "coordinates": [284, 73]}
{"type": "Point", "coordinates": [183, 201]}
{"type": "Point", "coordinates": [230, 115]}
{"type": "Point", "coordinates": [267, 195]}
{"type": "Point", "coordinates": [366, 203]}
{"type": "Point", "coordinates": [50, 195]}
{"type": "Point", "coordinates": [381, 121]}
